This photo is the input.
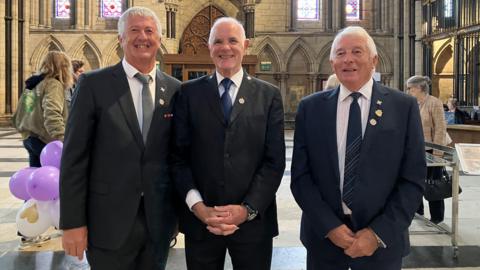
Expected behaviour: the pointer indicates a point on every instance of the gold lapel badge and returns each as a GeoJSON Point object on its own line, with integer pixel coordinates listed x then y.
{"type": "Point", "coordinates": [161, 101]}
{"type": "Point", "coordinates": [241, 100]}
{"type": "Point", "coordinates": [379, 102]}
{"type": "Point", "coordinates": [379, 113]}
{"type": "Point", "coordinates": [373, 122]}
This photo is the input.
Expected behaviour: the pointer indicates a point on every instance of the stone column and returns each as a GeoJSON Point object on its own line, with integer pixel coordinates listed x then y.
{"type": "Point", "coordinates": [282, 78]}
{"type": "Point", "coordinates": [249, 10]}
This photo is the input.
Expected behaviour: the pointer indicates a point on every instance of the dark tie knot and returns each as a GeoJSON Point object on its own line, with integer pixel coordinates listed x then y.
{"type": "Point", "coordinates": [144, 79]}
{"type": "Point", "coordinates": [226, 82]}
{"type": "Point", "coordinates": [355, 95]}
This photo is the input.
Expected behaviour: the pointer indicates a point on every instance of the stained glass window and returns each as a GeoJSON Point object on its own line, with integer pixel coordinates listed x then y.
{"type": "Point", "coordinates": [352, 10]}
{"type": "Point", "coordinates": [111, 8]}
{"type": "Point", "coordinates": [448, 4]}
{"type": "Point", "coordinates": [62, 9]}
{"type": "Point", "coordinates": [307, 9]}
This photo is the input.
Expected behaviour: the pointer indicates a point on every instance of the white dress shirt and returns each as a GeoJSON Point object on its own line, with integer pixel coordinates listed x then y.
{"type": "Point", "coordinates": [193, 196]}
{"type": "Point", "coordinates": [136, 88]}
{"type": "Point", "coordinates": [343, 110]}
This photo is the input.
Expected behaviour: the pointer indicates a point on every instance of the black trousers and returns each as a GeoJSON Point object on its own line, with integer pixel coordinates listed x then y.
{"type": "Point", "coordinates": [437, 208]}
{"type": "Point", "coordinates": [34, 147]}
{"type": "Point", "coordinates": [135, 254]}
{"type": "Point", "coordinates": [209, 254]}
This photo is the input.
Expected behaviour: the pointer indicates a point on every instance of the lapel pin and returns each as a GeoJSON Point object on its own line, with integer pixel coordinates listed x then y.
{"type": "Point", "coordinates": [161, 101]}
{"type": "Point", "coordinates": [241, 100]}
{"type": "Point", "coordinates": [379, 102]}
{"type": "Point", "coordinates": [249, 78]}
{"type": "Point", "coordinates": [373, 122]}
{"type": "Point", "coordinates": [163, 89]}
{"type": "Point", "coordinates": [379, 113]}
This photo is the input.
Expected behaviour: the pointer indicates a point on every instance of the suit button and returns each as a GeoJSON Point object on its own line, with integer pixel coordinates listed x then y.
{"type": "Point", "coordinates": [226, 155]}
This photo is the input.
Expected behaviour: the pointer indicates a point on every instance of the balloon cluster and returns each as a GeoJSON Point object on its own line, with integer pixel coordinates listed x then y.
{"type": "Point", "coordinates": [39, 187]}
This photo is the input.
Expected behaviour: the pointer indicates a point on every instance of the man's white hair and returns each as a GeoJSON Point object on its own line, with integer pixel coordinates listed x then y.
{"type": "Point", "coordinates": [354, 31]}
{"type": "Point", "coordinates": [226, 20]}
{"type": "Point", "coordinates": [138, 11]}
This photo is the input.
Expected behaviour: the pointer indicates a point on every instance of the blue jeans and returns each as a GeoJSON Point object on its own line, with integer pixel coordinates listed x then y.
{"type": "Point", "coordinates": [34, 147]}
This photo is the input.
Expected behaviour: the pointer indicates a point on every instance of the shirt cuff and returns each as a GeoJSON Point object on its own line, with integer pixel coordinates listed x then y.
{"type": "Point", "coordinates": [193, 197]}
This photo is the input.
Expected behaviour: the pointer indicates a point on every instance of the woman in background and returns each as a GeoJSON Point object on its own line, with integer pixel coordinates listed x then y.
{"type": "Point", "coordinates": [434, 130]}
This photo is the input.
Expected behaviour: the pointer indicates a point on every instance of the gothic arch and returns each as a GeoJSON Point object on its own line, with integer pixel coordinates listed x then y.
{"type": "Point", "coordinates": [47, 44]}
{"type": "Point", "coordinates": [269, 45]}
{"type": "Point", "coordinates": [85, 48]}
{"type": "Point", "coordinates": [384, 65]}
{"type": "Point", "coordinates": [228, 8]}
{"type": "Point", "coordinates": [323, 59]}
{"type": "Point", "coordinates": [299, 45]}
{"type": "Point", "coordinates": [113, 53]}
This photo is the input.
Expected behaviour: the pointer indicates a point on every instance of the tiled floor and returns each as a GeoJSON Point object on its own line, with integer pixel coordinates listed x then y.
{"type": "Point", "coordinates": [430, 251]}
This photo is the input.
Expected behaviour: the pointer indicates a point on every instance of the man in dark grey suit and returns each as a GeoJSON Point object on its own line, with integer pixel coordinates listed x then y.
{"type": "Point", "coordinates": [230, 158]}
{"type": "Point", "coordinates": [358, 167]}
{"type": "Point", "coordinates": [115, 189]}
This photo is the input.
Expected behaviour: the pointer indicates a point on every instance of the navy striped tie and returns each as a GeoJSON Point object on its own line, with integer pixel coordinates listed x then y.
{"type": "Point", "coordinates": [226, 99]}
{"type": "Point", "coordinates": [352, 151]}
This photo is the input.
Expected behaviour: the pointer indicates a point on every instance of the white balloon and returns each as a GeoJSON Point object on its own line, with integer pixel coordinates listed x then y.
{"type": "Point", "coordinates": [33, 218]}
{"type": "Point", "coordinates": [54, 212]}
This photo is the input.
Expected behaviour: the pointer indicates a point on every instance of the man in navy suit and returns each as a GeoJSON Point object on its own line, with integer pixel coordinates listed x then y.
{"type": "Point", "coordinates": [358, 167]}
{"type": "Point", "coordinates": [115, 188]}
{"type": "Point", "coordinates": [230, 158]}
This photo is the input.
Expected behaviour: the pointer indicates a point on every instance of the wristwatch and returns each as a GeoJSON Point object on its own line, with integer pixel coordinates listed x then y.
{"type": "Point", "coordinates": [251, 213]}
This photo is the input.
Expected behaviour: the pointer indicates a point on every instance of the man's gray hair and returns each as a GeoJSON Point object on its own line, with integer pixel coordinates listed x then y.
{"type": "Point", "coordinates": [354, 31]}
{"type": "Point", "coordinates": [138, 11]}
{"type": "Point", "coordinates": [225, 20]}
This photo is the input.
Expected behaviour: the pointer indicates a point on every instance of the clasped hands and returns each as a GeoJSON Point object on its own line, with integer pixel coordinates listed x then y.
{"type": "Point", "coordinates": [359, 244]}
{"type": "Point", "coordinates": [221, 220]}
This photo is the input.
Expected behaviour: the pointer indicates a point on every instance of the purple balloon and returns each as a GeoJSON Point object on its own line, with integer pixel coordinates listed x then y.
{"type": "Point", "coordinates": [52, 154]}
{"type": "Point", "coordinates": [43, 184]}
{"type": "Point", "coordinates": [18, 183]}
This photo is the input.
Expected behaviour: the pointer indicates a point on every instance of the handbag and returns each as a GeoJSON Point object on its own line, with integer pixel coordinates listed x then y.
{"type": "Point", "coordinates": [439, 188]}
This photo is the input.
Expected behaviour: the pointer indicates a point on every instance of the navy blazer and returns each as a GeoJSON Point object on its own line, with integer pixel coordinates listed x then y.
{"type": "Point", "coordinates": [106, 167]}
{"type": "Point", "coordinates": [392, 170]}
{"type": "Point", "coordinates": [242, 161]}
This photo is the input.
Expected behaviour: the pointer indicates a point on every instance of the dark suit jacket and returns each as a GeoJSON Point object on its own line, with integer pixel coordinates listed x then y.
{"type": "Point", "coordinates": [230, 164]}
{"type": "Point", "coordinates": [106, 166]}
{"type": "Point", "coordinates": [392, 171]}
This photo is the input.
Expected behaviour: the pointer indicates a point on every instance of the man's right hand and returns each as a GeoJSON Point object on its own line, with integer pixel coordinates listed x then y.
{"type": "Point", "coordinates": [74, 241]}
{"type": "Point", "coordinates": [341, 236]}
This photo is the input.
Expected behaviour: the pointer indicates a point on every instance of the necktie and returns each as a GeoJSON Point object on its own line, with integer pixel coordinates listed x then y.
{"type": "Point", "coordinates": [226, 99]}
{"type": "Point", "coordinates": [147, 104]}
{"type": "Point", "coordinates": [352, 152]}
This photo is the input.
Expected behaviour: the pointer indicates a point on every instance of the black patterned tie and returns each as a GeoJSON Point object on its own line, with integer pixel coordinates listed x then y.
{"type": "Point", "coordinates": [226, 99]}
{"type": "Point", "coordinates": [147, 104]}
{"type": "Point", "coordinates": [352, 151]}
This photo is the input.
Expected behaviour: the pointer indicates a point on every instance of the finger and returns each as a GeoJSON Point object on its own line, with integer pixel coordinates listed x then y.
{"type": "Point", "coordinates": [79, 253]}
{"type": "Point", "coordinates": [215, 230]}
{"type": "Point", "coordinates": [223, 208]}
{"type": "Point", "coordinates": [228, 227]}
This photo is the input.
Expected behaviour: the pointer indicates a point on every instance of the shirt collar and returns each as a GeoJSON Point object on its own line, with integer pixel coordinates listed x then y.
{"type": "Point", "coordinates": [236, 78]}
{"type": "Point", "coordinates": [131, 70]}
{"type": "Point", "coordinates": [365, 90]}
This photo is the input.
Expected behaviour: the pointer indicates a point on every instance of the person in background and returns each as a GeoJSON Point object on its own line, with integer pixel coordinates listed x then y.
{"type": "Point", "coordinates": [332, 82]}
{"type": "Point", "coordinates": [49, 85]}
{"type": "Point", "coordinates": [78, 69]}
{"type": "Point", "coordinates": [459, 115]}
{"type": "Point", "coordinates": [434, 130]}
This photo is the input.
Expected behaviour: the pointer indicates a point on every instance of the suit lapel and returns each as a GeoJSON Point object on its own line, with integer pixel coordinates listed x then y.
{"type": "Point", "coordinates": [379, 95]}
{"type": "Point", "coordinates": [331, 102]}
{"type": "Point", "coordinates": [120, 83]}
{"type": "Point", "coordinates": [244, 95]}
{"type": "Point", "coordinates": [213, 97]}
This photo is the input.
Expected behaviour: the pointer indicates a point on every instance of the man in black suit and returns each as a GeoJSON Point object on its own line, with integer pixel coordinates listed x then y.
{"type": "Point", "coordinates": [230, 158]}
{"type": "Point", "coordinates": [115, 189]}
{"type": "Point", "coordinates": [358, 167]}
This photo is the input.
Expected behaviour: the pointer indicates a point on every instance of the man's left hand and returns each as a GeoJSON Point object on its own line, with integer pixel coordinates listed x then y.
{"type": "Point", "coordinates": [365, 244]}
